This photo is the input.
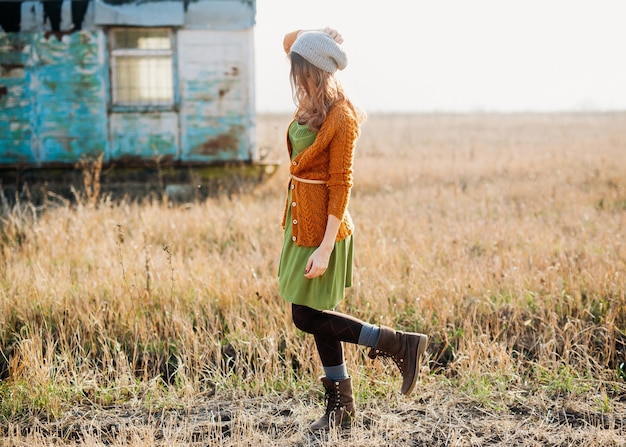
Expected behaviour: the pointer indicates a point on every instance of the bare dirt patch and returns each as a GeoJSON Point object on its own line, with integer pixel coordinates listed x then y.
{"type": "Point", "coordinates": [434, 418]}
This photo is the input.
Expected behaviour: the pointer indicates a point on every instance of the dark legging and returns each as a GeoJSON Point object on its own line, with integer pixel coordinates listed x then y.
{"type": "Point", "coordinates": [329, 329]}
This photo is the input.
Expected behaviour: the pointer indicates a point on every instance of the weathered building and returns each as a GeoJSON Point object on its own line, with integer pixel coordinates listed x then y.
{"type": "Point", "coordinates": [139, 81]}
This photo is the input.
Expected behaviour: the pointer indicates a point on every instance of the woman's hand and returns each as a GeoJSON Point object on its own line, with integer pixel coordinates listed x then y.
{"type": "Point", "coordinates": [332, 32]}
{"type": "Point", "coordinates": [318, 262]}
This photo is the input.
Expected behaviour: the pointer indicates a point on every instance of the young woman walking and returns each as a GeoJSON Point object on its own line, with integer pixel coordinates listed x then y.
{"type": "Point", "coordinates": [316, 258]}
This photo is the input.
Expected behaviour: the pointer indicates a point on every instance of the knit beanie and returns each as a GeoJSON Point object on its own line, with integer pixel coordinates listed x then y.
{"type": "Point", "coordinates": [321, 50]}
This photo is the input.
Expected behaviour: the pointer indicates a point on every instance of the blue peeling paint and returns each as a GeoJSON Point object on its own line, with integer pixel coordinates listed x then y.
{"type": "Point", "coordinates": [70, 100]}
{"type": "Point", "coordinates": [214, 128]}
{"type": "Point", "coordinates": [148, 136]}
{"type": "Point", "coordinates": [54, 109]}
{"type": "Point", "coordinates": [15, 105]}
{"type": "Point", "coordinates": [218, 139]}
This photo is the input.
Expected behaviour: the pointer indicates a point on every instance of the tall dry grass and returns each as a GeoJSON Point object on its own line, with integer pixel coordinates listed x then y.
{"type": "Point", "coordinates": [501, 236]}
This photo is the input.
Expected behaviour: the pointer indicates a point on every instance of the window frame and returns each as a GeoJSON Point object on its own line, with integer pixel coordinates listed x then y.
{"type": "Point", "coordinates": [114, 53]}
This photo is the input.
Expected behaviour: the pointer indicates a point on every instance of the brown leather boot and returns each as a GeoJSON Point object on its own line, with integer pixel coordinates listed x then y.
{"type": "Point", "coordinates": [405, 349]}
{"type": "Point", "coordinates": [340, 407]}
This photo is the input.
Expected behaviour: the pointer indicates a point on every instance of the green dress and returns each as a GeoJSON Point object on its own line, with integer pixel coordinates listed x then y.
{"type": "Point", "coordinates": [323, 292]}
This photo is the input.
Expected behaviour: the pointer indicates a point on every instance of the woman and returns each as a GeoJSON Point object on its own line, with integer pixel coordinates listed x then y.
{"type": "Point", "coordinates": [316, 259]}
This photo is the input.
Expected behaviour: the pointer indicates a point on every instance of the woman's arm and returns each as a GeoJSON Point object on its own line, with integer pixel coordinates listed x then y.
{"type": "Point", "coordinates": [318, 261]}
{"type": "Point", "coordinates": [341, 159]}
{"type": "Point", "coordinates": [339, 186]}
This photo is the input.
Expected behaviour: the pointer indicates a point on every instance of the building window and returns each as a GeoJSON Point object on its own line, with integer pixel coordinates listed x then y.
{"type": "Point", "coordinates": [141, 67]}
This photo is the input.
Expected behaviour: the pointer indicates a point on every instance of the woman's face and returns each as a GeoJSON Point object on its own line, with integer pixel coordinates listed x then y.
{"type": "Point", "coordinates": [306, 81]}
{"type": "Point", "coordinates": [304, 75]}
{"type": "Point", "coordinates": [310, 85]}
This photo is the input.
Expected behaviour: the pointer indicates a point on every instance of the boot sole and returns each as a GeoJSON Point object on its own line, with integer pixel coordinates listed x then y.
{"type": "Point", "coordinates": [421, 348]}
{"type": "Point", "coordinates": [346, 423]}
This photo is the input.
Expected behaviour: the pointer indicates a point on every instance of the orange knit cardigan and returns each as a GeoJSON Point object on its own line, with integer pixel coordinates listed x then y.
{"type": "Point", "coordinates": [329, 158]}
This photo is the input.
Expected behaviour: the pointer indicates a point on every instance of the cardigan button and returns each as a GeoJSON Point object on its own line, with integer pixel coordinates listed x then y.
{"type": "Point", "coordinates": [293, 238]}
{"type": "Point", "coordinates": [295, 163]}
{"type": "Point", "coordinates": [293, 186]}
{"type": "Point", "coordinates": [295, 221]}
{"type": "Point", "coordinates": [293, 203]}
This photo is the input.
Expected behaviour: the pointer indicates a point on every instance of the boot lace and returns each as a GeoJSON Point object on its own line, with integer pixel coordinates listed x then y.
{"type": "Point", "coordinates": [332, 400]}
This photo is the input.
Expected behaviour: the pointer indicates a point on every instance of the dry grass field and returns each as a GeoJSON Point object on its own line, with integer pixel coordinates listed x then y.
{"type": "Point", "coordinates": [503, 237]}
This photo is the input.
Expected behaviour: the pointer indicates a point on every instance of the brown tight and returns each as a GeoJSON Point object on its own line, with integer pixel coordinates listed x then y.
{"type": "Point", "coordinates": [329, 328]}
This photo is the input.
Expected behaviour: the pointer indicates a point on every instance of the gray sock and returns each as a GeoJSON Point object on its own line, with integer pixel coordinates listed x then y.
{"type": "Point", "coordinates": [369, 335]}
{"type": "Point", "coordinates": [338, 372]}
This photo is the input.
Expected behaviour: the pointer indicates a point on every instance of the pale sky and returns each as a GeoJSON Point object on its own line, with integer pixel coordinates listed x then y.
{"type": "Point", "coordinates": [457, 55]}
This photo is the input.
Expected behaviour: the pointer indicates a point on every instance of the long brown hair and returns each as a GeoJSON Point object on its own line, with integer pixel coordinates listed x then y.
{"type": "Point", "coordinates": [315, 91]}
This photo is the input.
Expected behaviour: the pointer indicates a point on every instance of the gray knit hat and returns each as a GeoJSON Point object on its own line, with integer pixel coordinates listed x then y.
{"type": "Point", "coordinates": [321, 50]}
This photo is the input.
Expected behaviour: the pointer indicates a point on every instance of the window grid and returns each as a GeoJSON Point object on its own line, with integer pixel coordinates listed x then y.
{"type": "Point", "coordinates": [141, 62]}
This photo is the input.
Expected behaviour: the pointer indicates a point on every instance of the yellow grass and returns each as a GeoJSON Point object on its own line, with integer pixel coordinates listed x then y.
{"type": "Point", "coordinates": [501, 236]}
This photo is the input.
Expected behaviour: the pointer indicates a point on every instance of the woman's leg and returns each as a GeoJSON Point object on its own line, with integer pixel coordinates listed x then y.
{"type": "Point", "coordinates": [330, 329]}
